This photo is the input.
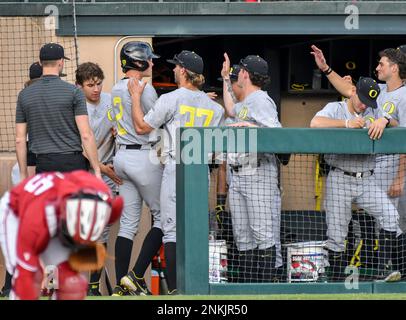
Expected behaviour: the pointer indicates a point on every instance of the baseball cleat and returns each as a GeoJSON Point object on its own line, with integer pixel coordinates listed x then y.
{"type": "Point", "coordinates": [135, 284]}
{"type": "Point", "coordinates": [4, 293]}
{"type": "Point", "coordinates": [93, 289]}
{"type": "Point", "coordinates": [173, 292]}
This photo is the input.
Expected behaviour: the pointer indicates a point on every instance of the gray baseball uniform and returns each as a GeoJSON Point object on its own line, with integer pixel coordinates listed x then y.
{"type": "Point", "coordinates": [102, 129]}
{"type": "Point", "coordinates": [255, 199]}
{"type": "Point", "coordinates": [343, 189]}
{"type": "Point", "coordinates": [179, 108]}
{"type": "Point", "coordinates": [135, 162]}
{"type": "Point", "coordinates": [394, 104]}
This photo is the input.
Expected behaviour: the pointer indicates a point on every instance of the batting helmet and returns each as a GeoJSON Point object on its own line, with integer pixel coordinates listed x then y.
{"type": "Point", "coordinates": [83, 217]}
{"type": "Point", "coordinates": [135, 55]}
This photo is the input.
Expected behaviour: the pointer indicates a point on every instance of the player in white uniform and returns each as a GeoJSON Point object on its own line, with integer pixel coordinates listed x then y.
{"type": "Point", "coordinates": [255, 200]}
{"type": "Point", "coordinates": [185, 107]}
{"type": "Point", "coordinates": [137, 164]}
{"type": "Point", "coordinates": [352, 180]}
{"type": "Point", "coordinates": [89, 77]}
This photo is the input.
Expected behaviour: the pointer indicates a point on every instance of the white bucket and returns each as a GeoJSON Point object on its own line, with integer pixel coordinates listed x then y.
{"type": "Point", "coordinates": [217, 261]}
{"type": "Point", "coordinates": [306, 261]}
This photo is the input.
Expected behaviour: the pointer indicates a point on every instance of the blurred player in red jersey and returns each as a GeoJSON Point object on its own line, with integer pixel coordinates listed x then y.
{"type": "Point", "coordinates": [48, 220]}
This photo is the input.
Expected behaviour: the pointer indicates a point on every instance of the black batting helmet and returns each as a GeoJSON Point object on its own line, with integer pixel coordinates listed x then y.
{"type": "Point", "coordinates": [135, 55]}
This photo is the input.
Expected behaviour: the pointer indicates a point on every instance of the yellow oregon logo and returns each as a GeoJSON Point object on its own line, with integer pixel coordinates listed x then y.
{"type": "Point", "coordinates": [243, 113]}
{"type": "Point", "coordinates": [123, 62]}
{"type": "Point", "coordinates": [231, 70]}
{"type": "Point", "coordinates": [370, 119]}
{"type": "Point", "coordinates": [373, 93]}
{"type": "Point", "coordinates": [389, 107]}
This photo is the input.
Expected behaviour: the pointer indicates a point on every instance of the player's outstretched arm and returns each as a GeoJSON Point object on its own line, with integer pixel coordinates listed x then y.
{"type": "Point", "coordinates": [228, 94]}
{"type": "Point", "coordinates": [342, 85]}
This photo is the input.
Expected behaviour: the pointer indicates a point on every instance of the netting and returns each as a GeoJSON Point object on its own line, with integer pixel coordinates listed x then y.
{"type": "Point", "coordinates": [21, 39]}
{"type": "Point", "coordinates": [319, 218]}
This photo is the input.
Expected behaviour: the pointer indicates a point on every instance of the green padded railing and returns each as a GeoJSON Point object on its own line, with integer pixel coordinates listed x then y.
{"type": "Point", "coordinates": [192, 195]}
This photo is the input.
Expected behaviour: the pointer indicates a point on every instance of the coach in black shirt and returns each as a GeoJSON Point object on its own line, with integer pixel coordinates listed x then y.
{"type": "Point", "coordinates": [55, 114]}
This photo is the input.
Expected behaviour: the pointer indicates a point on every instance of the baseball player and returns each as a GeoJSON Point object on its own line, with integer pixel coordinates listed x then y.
{"type": "Point", "coordinates": [54, 219]}
{"type": "Point", "coordinates": [89, 77]}
{"type": "Point", "coordinates": [255, 200]}
{"type": "Point", "coordinates": [137, 164]}
{"type": "Point", "coordinates": [352, 180]}
{"type": "Point", "coordinates": [187, 106]}
{"type": "Point", "coordinates": [391, 111]}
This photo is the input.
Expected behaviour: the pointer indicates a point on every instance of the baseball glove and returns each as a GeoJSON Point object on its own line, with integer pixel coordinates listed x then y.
{"type": "Point", "coordinates": [91, 258]}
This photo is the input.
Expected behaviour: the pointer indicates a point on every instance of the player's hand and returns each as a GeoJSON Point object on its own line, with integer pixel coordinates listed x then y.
{"type": "Point", "coordinates": [242, 124]}
{"type": "Point", "coordinates": [225, 71]}
{"type": "Point", "coordinates": [356, 123]}
{"type": "Point", "coordinates": [114, 132]}
{"type": "Point", "coordinates": [319, 58]}
{"type": "Point", "coordinates": [108, 170]}
{"type": "Point", "coordinates": [348, 79]}
{"type": "Point", "coordinates": [376, 128]}
{"type": "Point", "coordinates": [212, 95]}
{"type": "Point", "coordinates": [396, 189]}
{"type": "Point", "coordinates": [135, 88]}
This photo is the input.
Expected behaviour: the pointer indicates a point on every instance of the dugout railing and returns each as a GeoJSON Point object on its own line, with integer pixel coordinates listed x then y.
{"type": "Point", "coordinates": [192, 187]}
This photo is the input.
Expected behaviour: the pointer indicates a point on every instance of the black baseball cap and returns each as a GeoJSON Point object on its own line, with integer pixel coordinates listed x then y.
{"type": "Point", "coordinates": [255, 64]}
{"type": "Point", "coordinates": [35, 70]}
{"type": "Point", "coordinates": [52, 51]}
{"type": "Point", "coordinates": [368, 91]}
{"type": "Point", "coordinates": [402, 48]}
{"type": "Point", "coordinates": [233, 74]}
{"type": "Point", "coordinates": [188, 60]}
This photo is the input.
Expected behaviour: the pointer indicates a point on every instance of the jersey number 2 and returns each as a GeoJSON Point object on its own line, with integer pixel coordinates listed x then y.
{"type": "Point", "coordinates": [117, 103]}
{"type": "Point", "coordinates": [196, 112]}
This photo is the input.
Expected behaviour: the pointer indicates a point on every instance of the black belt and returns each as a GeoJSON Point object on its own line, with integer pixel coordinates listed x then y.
{"type": "Point", "coordinates": [133, 146]}
{"type": "Point", "coordinates": [355, 174]}
{"type": "Point", "coordinates": [59, 154]}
